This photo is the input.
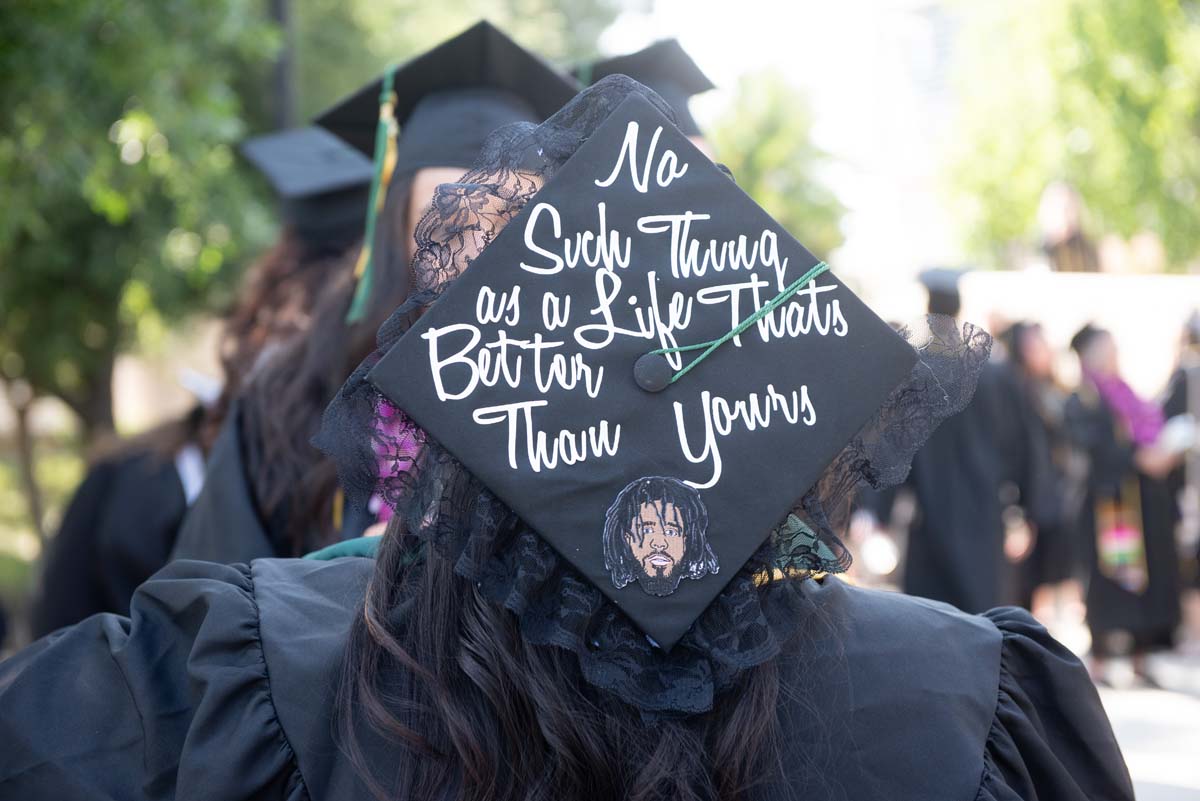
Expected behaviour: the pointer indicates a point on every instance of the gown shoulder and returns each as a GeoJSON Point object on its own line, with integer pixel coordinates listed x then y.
{"type": "Point", "coordinates": [1050, 736]}
{"type": "Point", "coordinates": [919, 700]}
{"type": "Point", "coordinates": [222, 683]}
{"type": "Point", "coordinates": [148, 706]}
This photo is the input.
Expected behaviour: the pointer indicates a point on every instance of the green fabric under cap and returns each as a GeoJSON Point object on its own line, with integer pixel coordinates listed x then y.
{"type": "Point", "coordinates": [359, 546]}
{"type": "Point", "coordinates": [367, 548]}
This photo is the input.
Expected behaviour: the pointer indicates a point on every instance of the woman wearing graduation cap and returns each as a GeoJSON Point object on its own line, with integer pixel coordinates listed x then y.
{"type": "Point", "coordinates": [322, 185]}
{"type": "Point", "coordinates": [501, 649]}
{"type": "Point", "coordinates": [270, 492]}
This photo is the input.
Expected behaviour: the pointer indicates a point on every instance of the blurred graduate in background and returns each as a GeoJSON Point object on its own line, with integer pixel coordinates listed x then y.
{"type": "Point", "coordinates": [269, 492]}
{"type": "Point", "coordinates": [1050, 573]}
{"type": "Point", "coordinates": [1183, 398]}
{"type": "Point", "coordinates": [978, 482]}
{"type": "Point", "coordinates": [1127, 523]}
{"type": "Point", "coordinates": [322, 185]}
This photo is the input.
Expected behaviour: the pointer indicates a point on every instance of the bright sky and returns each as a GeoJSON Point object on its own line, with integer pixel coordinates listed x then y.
{"type": "Point", "coordinates": [875, 72]}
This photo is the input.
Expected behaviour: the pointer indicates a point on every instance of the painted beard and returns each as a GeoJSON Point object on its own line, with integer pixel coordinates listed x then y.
{"type": "Point", "coordinates": [660, 575]}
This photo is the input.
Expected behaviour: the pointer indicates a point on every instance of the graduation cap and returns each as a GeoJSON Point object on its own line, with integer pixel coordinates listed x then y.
{"type": "Point", "coordinates": [447, 100]}
{"type": "Point", "coordinates": [663, 66]}
{"type": "Point", "coordinates": [1085, 337]}
{"type": "Point", "coordinates": [322, 182]}
{"type": "Point", "coordinates": [942, 285]}
{"type": "Point", "coordinates": [646, 368]}
{"type": "Point", "coordinates": [437, 110]}
{"type": "Point", "coordinates": [1191, 330]}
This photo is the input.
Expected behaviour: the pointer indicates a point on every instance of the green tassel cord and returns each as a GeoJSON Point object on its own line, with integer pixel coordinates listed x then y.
{"type": "Point", "coordinates": [768, 307]}
{"type": "Point", "coordinates": [385, 164]}
{"type": "Point", "coordinates": [367, 548]}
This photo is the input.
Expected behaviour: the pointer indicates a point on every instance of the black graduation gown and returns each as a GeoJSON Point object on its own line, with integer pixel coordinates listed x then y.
{"type": "Point", "coordinates": [221, 686]}
{"type": "Point", "coordinates": [955, 545]}
{"type": "Point", "coordinates": [226, 524]}
{"type": "Point", "coordinates": [1178, 402]}
{"type": "Point", "coordinates": [118, 530]}
{"type": "Point", "coordinates": [1056, 481]}
{"type": "Point", "coordinates": [1148, 617]}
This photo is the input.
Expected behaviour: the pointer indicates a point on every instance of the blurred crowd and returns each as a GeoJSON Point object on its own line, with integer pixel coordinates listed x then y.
{"type": "Point", "coordinates": [1077, 501]}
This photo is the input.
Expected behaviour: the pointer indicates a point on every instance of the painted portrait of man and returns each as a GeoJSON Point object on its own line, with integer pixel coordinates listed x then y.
{"type": "Point", "coordinates": [656, 533]}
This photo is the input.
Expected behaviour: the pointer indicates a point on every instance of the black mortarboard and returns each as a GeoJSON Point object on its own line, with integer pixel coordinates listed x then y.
{"type": "Point", "coordinates": [450, 98]}
{"type": "Point", "coordinates": [1084, 338]}
{"type": "Point", "coordinates": [663, 66]}
{"type": "Point", "coordinates": [1191, 329]}
{"type": "Point", "coordinates": [942, 285]}
{"type": "Point", "coordinates": [535, 369]}
{"type": "Point", "coordinates": [941, 279]}
{"type": "Point", "coordinates": [322, 182]}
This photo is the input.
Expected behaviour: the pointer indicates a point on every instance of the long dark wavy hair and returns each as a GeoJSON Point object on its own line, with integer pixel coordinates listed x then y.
{"type": "Point", "coordinates": [295, 485]}
{"type": "Point", "coordinates": [477, 712]}
{"type": "Point", "coordinates": [275, 303]}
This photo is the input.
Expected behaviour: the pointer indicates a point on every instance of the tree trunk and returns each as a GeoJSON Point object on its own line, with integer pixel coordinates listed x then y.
{"type": "Point", "coordinates": [21, 399]}
{"type": "Point", "coordinates": [283, 78]}
{"type": "Point", "coordinates": [94, 406]}
{"type": "Point", "coordinates": [96, 413]}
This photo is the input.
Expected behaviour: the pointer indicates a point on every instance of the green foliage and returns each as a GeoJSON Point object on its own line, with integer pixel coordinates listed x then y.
{"type": "Point", "coordinates": [341, 44]}
{"type": "Point", "coordinates": [122, 206]}
{"type": "Point", "coordinates": [125, 206]}
{"type": "Point", "coordinates": [765, 140]}
{"type": "Point", "coordinates": [1104, 94]}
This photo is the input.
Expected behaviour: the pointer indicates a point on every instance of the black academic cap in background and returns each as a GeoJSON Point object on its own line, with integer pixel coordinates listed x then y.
{"type": "Point", "coordinates": [663, 66]}
{"type": "Point", "coordinates": [1084, 338]}
{"type": "Point", "coordinates": [941, 279]}
{"type": "Point", "coordinates": [536, 369]}
{"type": "Point", "coordinates": [451, 97]}
{"type": "Point", "coordinates": [322, 182]}
{"type": "Point", "coordinates": [942, 285]}
{"type": "Point", "coordinates": [1191, 329]}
